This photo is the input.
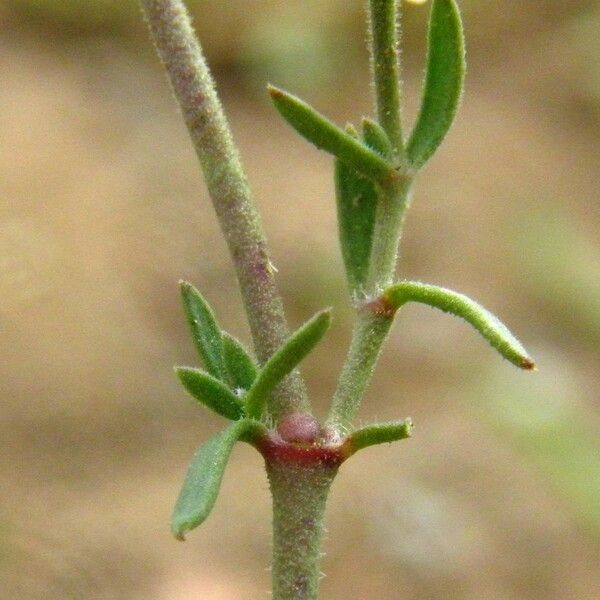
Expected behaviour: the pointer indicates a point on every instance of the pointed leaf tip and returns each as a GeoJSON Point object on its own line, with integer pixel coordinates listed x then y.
{"type": "Point", "coordinates": [488, 325]}
{"type": "Point", "coordinates": [205, 473]}
{"type": "Point", "coordinates": [204, 328]}
{"type": "Point", "coordinates": [444, 81]}
{"type": "Point", "coordinates": [211, 392]}
{"type": "Point", "coordinates": [325, 135]}
{"type": "Point", "coordinates": [285, 360]}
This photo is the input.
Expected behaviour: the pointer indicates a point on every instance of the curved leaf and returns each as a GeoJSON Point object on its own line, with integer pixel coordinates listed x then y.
{"type": "Point", "coordinates": [443, 82]}
{"type": "Point", "coordinates": [327, 136]}
{"type": "Point", "coordinates": [211, 392]}
{"type": "Point", "coordinates": [240, 366]}
{"type": "Point", "coordinates": [204, 328]}
{"type": "Point", "coordinates": [203, 479]}
{"type": "Point", "coordinates": [295, 348]}
{"type": "Point", "coordinates": [488, 325]}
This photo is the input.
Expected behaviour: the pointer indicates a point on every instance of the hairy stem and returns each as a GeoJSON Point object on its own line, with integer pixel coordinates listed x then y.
{"type": "Point", "coordinates": [385, 65]}
{"type": "Point", "coordinates": [299, 497]}
{"type": "Point", "coordinates": [391, 210]}
{"type": "Point", "coordinates": [194, 89]}
{"type": "Point", "coordinates": [372, 322]}
{"type": "Point", "coordinates": [371, 327]}
{"type": "Point", "coordinates": [370, 332]}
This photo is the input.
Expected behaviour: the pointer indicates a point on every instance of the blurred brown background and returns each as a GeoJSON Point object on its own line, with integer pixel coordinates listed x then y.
{"type": "Point", "coordinates": [103, 209]}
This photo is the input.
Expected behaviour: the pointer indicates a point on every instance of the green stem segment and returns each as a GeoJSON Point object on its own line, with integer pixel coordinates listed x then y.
{"type": "Point", "coordinates": [371, 329]}
{"type": "Point", "coordinates": [385, 64]}
{"type": "Point", "coordinates": [389, 218]}
{"type": "Point", "coordinates": [372, 325]}
{"type": "Point", "coordinates": [194, 89]}
{"type": "Point", "coordinates": [299, 497]}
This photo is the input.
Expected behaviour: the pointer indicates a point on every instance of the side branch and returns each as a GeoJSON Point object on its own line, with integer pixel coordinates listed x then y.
{"type": "Point", "coordinates": [194, 89]}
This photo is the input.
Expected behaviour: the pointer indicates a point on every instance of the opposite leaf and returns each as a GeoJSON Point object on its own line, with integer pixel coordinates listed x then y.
{"type": "Point", "coordinates": [443, 82]}
{"type": "Point", "coordinates": [241, 368]}
{"type": "Point", "coordinates": [329, 137]}
{"type": "Point", "coordinates": [285, 360]}
{"type": "Point", "coordinates": [211, 392]}
{"type": "Point", "coordinates": [356, 198]}
{"type": "Point", "coordinates": [490, 327]}
{"type": "Point", "coordinates": [204, 328]}
{"type": "Point", "coordinates": [203, 479]}
{"type": "Point", "coordinates": [380, 433]}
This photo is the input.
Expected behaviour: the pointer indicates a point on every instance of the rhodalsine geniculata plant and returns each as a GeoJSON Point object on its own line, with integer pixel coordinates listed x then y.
{"type": "Point", "coordinates": [262, 393]}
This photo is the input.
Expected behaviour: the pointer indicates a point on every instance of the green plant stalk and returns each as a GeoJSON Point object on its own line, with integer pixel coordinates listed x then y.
{"type": "Point", "coordinates": [299, 498]}
{"type": "Point", "coordinates": [371, 327]}
{"type": "Point", "coordinates": [370, 331]}
{"type": "Point", "coordinates": [385, 65]}
{"type": "Point", "coordinates": [194, 89]}
{"type": "Point", "coordinates": [389, 219]}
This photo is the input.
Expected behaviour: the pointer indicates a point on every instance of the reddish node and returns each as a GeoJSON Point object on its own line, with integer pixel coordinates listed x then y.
{"type": "Point", "coordinates": [299, 428]}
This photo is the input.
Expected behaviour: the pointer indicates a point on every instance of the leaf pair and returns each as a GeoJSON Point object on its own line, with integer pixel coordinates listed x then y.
{"type": "Point", "coordinates": [488, 325]}
{"type": "Point", "coordinates": [442, 91]}
{"type": "Point", "coordinates": [232, 385]}
{"type": "Point", "coordinates": [229, 366]}
{"type": "Point", "coordinates": [360, 164]}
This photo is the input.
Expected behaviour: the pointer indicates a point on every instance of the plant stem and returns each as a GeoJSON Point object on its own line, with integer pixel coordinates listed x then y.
{"type": "Point", "coordinates": [385, 65]}
{"type": "Point", "coordinates": [391, 210]}
{"type": "Point", "coordinates": [371, 327]}
{"type": "Point", "coordinates": [299, 497]}
{"type": "Point", "coordinates": [370, 332]}
{"type": "Point", "coordinates": [194, 89]}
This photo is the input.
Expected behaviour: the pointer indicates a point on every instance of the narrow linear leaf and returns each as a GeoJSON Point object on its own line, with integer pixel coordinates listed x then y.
{"type": "Point", "coordinates": [241, 368]}
{"type": "Point", "coordinates": [376, 138]}
{"type": "Point", "coordinates": [204, 328]}
{"type": "Point", "coordinates": [211, 392]}
{"type": "Point", "coordinates": [488, 325]}
{"type": "Point", "coordinates": [443, 82]}
{"type": "Point", "coordinates": [356, 207]}
{"type": "Point", "coordinates": [327, 136]}
{"type": "Point", "coordinates": [356, 198]}
{"type": "Point", "coordinates": [203, 479]}
{"type": "Point", "coordinates": [291, 353]}
{"type": "Point", "coordinates": [380, 433]}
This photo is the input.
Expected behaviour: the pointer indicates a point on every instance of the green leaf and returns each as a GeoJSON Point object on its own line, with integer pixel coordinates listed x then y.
{"type": "Point", "coordinates": [380, 433]}
{"type": "Point", "coordinates": [356, 198]}
{"type": "Point", "coordinates": [294, 349]}
{"type": "Point", "coordinates": [241, 367]}
{"type": "Point", "coordinates": [204, 328]}
{"type": "Point", "coordinates": [443, 82]}
{"type": "Point", "coordinates": [376, 138]}
{"type": "Point", "coordinates": [488, 325]}
{"type": "Point", "coordinates": [329, 137]}
{"type": "Point", "coordinates": [203, 480]}
{"type": "Point", "coordinates": [211, 392]}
